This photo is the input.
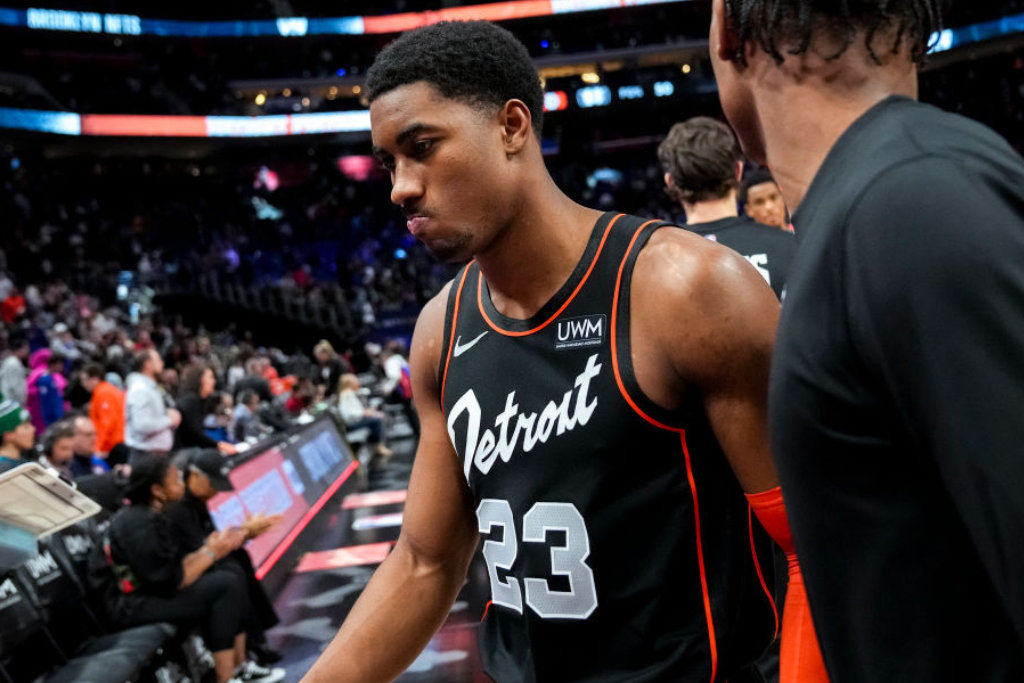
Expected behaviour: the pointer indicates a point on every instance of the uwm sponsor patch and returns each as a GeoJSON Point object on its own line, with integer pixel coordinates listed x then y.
{"type": "Point", "coordinates": [575, 333]}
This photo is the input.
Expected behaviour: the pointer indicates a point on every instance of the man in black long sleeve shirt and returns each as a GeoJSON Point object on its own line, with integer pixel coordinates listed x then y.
{"type": "Point", "coordinates": [896, 392]}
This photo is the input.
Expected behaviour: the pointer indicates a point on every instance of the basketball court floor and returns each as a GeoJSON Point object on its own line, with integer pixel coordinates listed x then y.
{"type": "Point", "coordinates": [354, 535]}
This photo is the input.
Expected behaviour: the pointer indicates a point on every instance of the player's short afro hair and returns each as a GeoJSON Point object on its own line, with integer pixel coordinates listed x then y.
{"type": "Point", "coordinates": [474, 61]}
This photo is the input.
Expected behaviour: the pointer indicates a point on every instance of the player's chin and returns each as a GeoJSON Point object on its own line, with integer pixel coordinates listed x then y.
{"type": "Point", "coordinates": [449, 250]}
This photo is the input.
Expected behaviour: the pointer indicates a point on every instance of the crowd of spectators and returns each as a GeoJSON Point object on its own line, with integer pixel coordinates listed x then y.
{"type": "Point", "coordinates": [143, 417]}
{"type": "Point", "coordinates": [334, 242]}
{"type": "Point", "coordinates": [124, 388]}
{"type": "Point", "coordinates": [292, 233]}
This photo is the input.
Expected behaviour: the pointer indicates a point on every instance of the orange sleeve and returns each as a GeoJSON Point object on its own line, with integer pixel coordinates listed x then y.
{"type": "Point", "coordinates": [800, 659]}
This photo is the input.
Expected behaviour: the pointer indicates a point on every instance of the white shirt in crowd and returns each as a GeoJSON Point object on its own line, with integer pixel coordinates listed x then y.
{"type": "Point", "coordinates": [12, 380]}
{"type": "Point", "coordinates": [392, 372]}
{"type": "Point", "coordinates": [235, 373]}
{"type": "Point", "coordinates": [351, 406]}
{"type": "Point", "coordinates": [147, 426]}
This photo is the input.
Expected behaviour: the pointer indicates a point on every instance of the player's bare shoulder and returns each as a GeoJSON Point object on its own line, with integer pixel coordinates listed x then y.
{"type": "Point", "coordinates": [699, 298]}
{"type": "Point", "coordinates": [428, 339]}
{"type": "Point", "coordinates": [431, 319]}
{"type": "Point", "coordinates": [683, 267]}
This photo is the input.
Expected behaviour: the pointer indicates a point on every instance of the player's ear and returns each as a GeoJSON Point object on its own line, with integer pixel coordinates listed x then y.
{"type": "Point", "coordinates": [516, 126]}
{"type": "Point", "coordinates": [739, 170]}
{"type": "Point", "coordinates": [726, 37]}
{"type": "Point", "coordinates": [669, 183]}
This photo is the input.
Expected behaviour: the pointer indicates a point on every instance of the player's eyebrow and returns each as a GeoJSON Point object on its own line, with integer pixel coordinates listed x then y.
{"type": "Point", "coordinates": [412, 130]}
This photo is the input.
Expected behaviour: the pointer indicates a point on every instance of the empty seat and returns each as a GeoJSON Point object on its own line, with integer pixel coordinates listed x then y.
{"type": "Point", "coordinates": [57, 593]}
{"type": "Point", "coordinates": [21, 627]}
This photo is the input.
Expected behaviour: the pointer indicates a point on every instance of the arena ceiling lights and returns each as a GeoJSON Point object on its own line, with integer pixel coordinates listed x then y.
{"type": "Point", "coordinates": [132, 25]}
{"type": "Point", "coordinates": [66, 123]}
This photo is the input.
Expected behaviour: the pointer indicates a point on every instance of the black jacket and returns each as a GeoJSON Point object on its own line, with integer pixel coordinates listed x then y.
{"type": "Point", "coordinates": [190, 433]}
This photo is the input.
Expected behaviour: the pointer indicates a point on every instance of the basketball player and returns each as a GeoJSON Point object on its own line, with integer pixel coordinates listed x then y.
{"type": "Point", "coordinates": [762, 200]}
{"type": "Point", "coordinates": [592, 393]}
{"type": "Point", "coordinates": [703, 163]}
{"type": "Point", "coordinates": [896, 392]}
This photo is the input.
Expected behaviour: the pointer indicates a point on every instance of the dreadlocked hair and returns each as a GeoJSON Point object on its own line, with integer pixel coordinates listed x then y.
{"type": "Point", "coordinates": [789, 25]}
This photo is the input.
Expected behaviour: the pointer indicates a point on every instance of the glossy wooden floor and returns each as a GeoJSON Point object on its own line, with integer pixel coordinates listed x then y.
{"type": "Point", "coordinates": [341, 553]}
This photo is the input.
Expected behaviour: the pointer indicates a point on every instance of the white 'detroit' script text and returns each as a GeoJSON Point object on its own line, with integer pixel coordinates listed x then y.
{"type": "Point", "coordinates": [483, 450]}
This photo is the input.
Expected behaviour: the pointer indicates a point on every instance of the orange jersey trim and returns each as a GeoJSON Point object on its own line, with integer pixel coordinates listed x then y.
{"type": "Point", "coordinates": [487, 609]}
{"type": "Point", "coordinates": [451, 336]}
{"type": "Point", "coordinates": [507, 333]}
{"type": "Point", "coordinates": [615, 350]}
{"type": "Point", "coordinates": [700, 561]}
{"type": "Point", "coordinates": [712, 641]}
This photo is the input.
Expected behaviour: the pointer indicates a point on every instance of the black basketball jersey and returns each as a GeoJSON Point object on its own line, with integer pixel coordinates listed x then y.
{"type": "Point", "coordinates": [619, 545]}
{"type": "Point", "coordinates": [768, 249]}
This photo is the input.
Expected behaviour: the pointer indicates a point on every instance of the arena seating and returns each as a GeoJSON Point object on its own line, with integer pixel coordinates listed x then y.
{"type": "Point", "coordinates": [50, 631]}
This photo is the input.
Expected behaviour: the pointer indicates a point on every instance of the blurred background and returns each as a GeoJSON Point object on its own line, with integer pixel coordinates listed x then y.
{"type": "Point", "coordinates": [187, 195]}
{"type": "Point", "coordinates": [159, 152]}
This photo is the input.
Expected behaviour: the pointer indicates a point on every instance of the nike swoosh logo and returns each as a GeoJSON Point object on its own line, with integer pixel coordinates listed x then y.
{"type": "Point", "coordinates": [459, 350]}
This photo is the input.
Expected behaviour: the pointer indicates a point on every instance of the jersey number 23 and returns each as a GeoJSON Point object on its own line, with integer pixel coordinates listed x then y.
{"type": "Point", "coordinates": [580, 601]}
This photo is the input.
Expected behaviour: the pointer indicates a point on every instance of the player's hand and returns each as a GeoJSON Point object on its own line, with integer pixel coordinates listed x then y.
{"type": "Point", "coordinates": [226, 448]}
{"type": "Point", "coordinates": [175, 417]}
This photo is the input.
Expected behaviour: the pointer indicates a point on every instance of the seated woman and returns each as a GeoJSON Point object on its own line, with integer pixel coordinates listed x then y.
{"type": "Point", "coordinates": [356, 415]}
{"type": "Point", "coordinates": [206, 475]}
{"type": "Point", "coordinates": [156, 581]}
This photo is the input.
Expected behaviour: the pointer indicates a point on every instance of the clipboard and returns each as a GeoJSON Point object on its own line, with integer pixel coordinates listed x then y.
{"type": "Point", "coordinates": [37, 501]}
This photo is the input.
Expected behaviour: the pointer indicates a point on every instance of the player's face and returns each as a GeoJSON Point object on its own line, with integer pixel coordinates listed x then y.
{"type": "Point", "coordinates": [733, 88]}
{"type": "Point", "coordinates": [765, 204]}
{"type": "Point", "coordinates": [449, 171]}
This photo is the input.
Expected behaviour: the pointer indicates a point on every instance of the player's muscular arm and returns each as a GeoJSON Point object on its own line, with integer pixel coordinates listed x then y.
{"type": "Point", "coordinates": [711, 319]}
{"type": "Point", "coordinates": [411, 593]}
